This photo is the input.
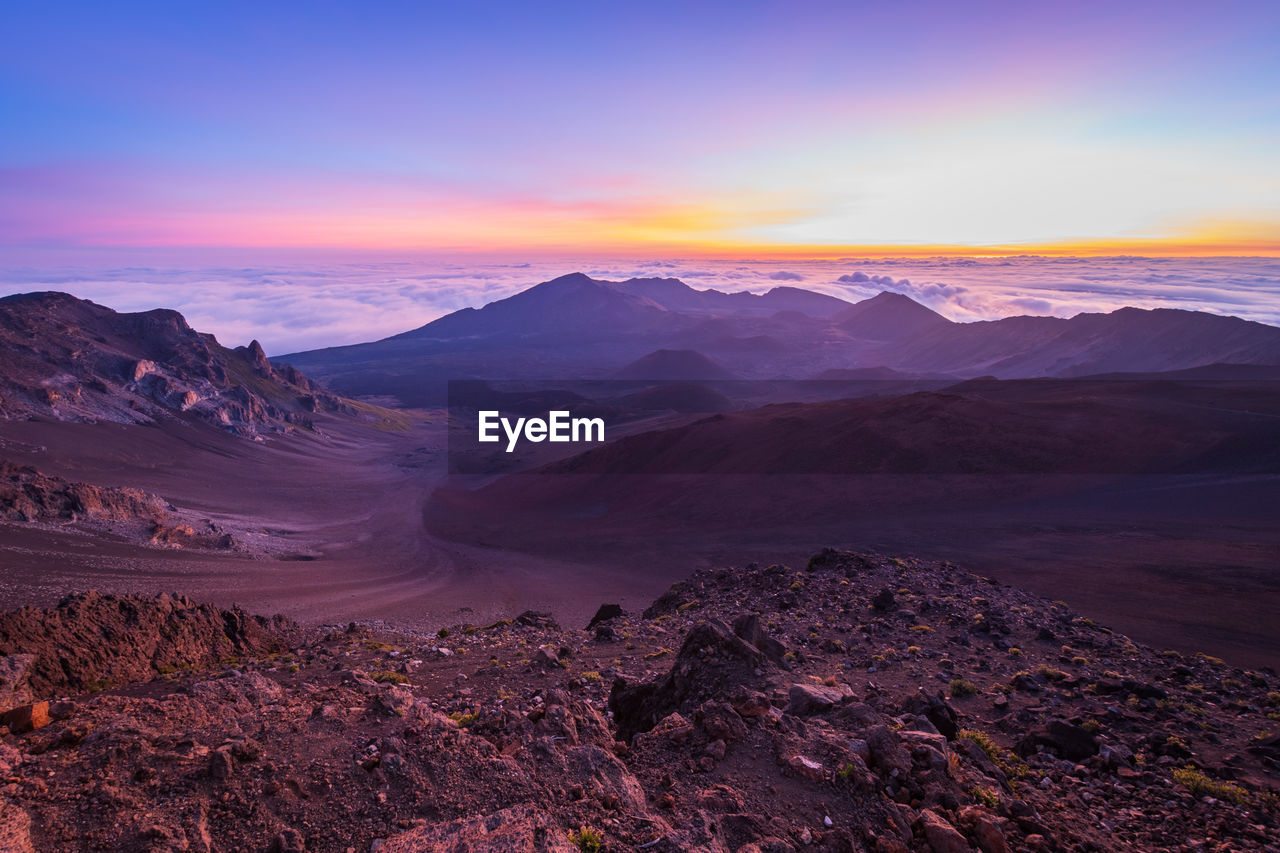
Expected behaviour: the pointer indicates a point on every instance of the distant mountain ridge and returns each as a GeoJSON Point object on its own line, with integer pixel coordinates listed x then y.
{"type": "Point", "coordinates": [575, 326]}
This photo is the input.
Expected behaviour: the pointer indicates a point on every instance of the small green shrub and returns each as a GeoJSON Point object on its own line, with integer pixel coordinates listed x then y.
{"type": "Point", "coordinates": [386, 676]}
{"type": "Point", "coordinates": [985, 796]}
{"type": "Point", "coordinates": [587, 839]}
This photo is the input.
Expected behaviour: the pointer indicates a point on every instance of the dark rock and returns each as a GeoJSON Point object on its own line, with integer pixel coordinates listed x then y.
{"type": "Point", "coordinates": [883, 600]}
{"type": "Point", "coordinates": [747, 626]}
{"type": "Point", "coordinates": [936, 710]}
{"type": "Point", "coordinates": [606, 612]}
{"type": "Point", "coordinates": [537, 619]}
{"type": "Point", "coordinates": [711, 663]}
{"type": "Point", "coordinates": [1065, 739]}
{"type": "Point", "coordinates": [808, 699]}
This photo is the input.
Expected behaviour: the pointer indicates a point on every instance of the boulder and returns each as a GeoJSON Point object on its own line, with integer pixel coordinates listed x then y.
{"type": "Point", "coordinates": [883, 600]}
{"type": "Point", "coordinates": [941, 836]}
{"type": "Point", "coordinates": [604, 614]}
{"type": "Point", "coordinates": [1066, 739]}
{"type": "Point", "coordinates": [936, 710]}
{"type": "Point", "coordinates": [26, 718]}
{"type": "Point", "coordinates": [711, 664]}
{"type": "Point", "coordinates": [809, 699]}
{"type": "Point", "coordinates": [747, 626]}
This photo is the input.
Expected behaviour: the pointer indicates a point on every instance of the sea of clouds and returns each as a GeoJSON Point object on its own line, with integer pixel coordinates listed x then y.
{"type": "Point", "coordinates": [305, 305]}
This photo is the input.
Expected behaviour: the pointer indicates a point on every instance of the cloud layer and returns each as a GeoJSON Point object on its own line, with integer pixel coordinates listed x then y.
{"type": "Point", "coordinates": [311, 304]}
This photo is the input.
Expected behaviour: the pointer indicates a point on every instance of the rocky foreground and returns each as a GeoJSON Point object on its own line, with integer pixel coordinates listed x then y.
{"type": "Point", "coordinates": [858, 703]}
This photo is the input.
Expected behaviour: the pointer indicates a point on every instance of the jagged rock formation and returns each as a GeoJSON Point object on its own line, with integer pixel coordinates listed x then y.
{"type": "Point", "coordinates": [73, 360]}
{"type": "Point", "coordinates": [28, 495]}
{"type": "Point", "coordinates": [953, 714]}
{"type": "Point", "coordinates": [92, 640]}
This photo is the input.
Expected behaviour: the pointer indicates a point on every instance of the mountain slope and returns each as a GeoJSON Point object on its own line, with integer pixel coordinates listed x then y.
{"type": "Point", "coordinates": [1125, 340]}
{"type": "Point", "coordinates": [72, 360]}
{"type": "Point", "coordinates": [673, 365]}
{"type": "Point", "coordinates": [889, 316]}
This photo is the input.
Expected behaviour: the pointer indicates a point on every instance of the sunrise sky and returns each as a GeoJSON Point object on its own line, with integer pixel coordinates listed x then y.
{"type": "Point", "coordinates": [779, 129]}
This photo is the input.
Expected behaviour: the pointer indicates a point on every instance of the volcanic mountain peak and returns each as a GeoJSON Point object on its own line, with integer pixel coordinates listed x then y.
{"type": "Point", "coordinates": [889, 316]}
{"type": "Point", "coordinates": [674, 295]}
{"type": "Point", "coordinates": [573, 304]}
{"type": "Point", "coordinates": [73, 360]}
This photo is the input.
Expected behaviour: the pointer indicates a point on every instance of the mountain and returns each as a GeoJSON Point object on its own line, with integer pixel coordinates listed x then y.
{"type": "Point", "coordinates": [569, 305]}
{"type": "Point", "coordinates": [72, 360]}
{"type": "Point", "coordinates": [674, 295]}
{"type": "Point", "coordinates": [673, 365]}
{"type": "Point", "coordinates": [1125, 340]}
{"type": "Point", "coordinates": [982, 426]}
{"type": "Point", "coordinates": [576, 327]}
{"type": "Point", "coordinates": [889, 317]}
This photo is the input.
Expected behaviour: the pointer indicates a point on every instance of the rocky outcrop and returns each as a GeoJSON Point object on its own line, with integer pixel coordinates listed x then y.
{"type": "Point", "coordinates": [15, 684]}
{"type": "Point", "coordinates": [72, 360]}
{"type": "Point", "coordinates": [28, 495]}
{"type": "Point", "coordinates": [877, 730]}
{"type": "Point", "coordinates": [90, 640]}
{"type": "Point", "coordinates": [712, 662]}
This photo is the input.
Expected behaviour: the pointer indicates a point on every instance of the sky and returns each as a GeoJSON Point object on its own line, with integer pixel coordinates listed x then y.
{"type": "Point", "coordinates": [709, 129]}
{"type": "Point", "coordinates": [323, 173]}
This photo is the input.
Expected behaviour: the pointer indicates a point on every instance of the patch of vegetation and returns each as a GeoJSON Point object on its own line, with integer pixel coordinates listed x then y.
{"type": "Point", "coordinates": [591, 675]}
{"type": "Point", "coordinates": [587, 839]}
{"type": "Point", "coordinates": [1009, 764]}
{"type": "Point", "coordinates": [962, 687]}
{"type": "Point", "coordinates": [1050, 673]}
{"type": "Point", "coordinates": [921, 629]}
{"type": "Point", "coordinates": [658, 654]}
{"type": "Point", "coordinates": [464, 719]}
{"type": "Point", "coordinates": [985, 796]}
{"type": "Point", "coordinates": [386, 676]}
{"type": "Point", "coordinates": [1201, 785]}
